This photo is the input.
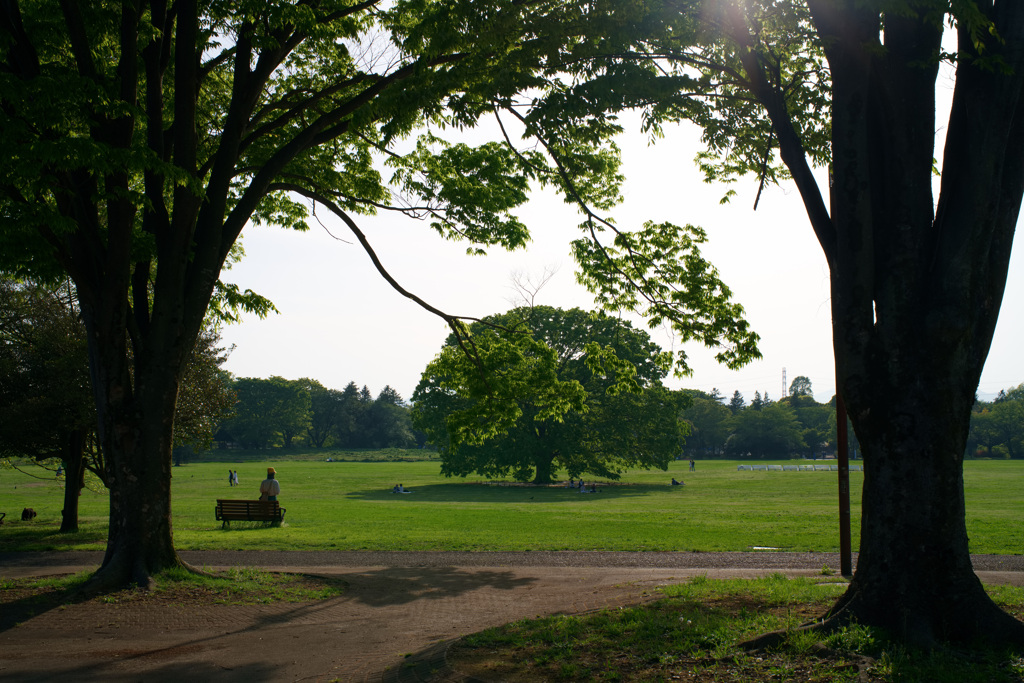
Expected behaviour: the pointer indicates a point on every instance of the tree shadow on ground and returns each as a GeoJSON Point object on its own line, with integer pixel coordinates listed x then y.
{"type": "Point", "coordinates": [174, 671]}
{"type": "Point", "coordinates": [47, 537]}
{"type": "Point", "coordinates": [16, 610]}
{"type": "Point", "coordinates": [506, 492]}
{"type": "Point", "coordinates": [401, 585]}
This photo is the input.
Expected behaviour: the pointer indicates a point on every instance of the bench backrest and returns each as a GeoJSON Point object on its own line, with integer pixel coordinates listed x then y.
{"type": "Point", "coordinates": [258, 508]}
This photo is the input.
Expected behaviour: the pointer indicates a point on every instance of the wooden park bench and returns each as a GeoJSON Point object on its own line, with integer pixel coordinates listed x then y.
{"type": "Point", "coordinates": [248, 511]}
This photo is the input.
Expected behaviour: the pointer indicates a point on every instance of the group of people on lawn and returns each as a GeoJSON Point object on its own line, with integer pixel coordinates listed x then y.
{"type": "Point", "coordinates": [270, 489]}
{"type": "Point", "coordinates": [581, 486]}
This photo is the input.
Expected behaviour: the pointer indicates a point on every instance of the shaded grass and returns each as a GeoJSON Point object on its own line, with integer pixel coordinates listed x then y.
{"type": "Point", "coordinates": [347, 505]}
{"type": "Point", "coordinates": [692, 634]}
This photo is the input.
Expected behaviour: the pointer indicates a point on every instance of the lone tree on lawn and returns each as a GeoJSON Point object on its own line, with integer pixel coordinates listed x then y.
{"type": "Point", "coordinates": [554, 389]}
{"type": "Point", "coordinates": [142, 136]}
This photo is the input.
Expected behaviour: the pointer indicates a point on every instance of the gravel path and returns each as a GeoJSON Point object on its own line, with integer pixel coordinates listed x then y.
{"type": "Point", "coordinates": [12, 562]}
{"type": "Point", "coordinates": [394, 622]}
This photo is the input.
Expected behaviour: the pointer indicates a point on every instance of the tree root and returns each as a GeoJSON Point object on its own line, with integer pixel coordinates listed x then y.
{"type": "Point", "coordinates": [775, 640]}
{"type": "Point", "coordinates": [115, 575]}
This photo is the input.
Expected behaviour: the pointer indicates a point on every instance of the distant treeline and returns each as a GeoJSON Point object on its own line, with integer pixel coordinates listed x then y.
{"type": "Point", "coordinates": [289, 413]}
{"type": "Point", "coordinates": [799, 425]}
{"type": "Point", "coordinates": [792, 426]}
{"type": "Point", "coordinates": [278, 412]}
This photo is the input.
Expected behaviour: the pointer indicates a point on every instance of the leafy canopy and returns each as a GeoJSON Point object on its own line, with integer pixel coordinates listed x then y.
{"type": "Point", "coordinates": [547, 389]}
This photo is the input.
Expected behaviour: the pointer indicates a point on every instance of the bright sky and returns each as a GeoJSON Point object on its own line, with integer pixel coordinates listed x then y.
{"type": "Point", "coordinates": [340, 321]}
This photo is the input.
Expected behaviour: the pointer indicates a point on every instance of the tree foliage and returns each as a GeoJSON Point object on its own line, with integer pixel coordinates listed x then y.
{"type": "Point", "coordinates": [44, 373]}
{"type": "Point", "coordinates": [278, 412]}
{"type": "Point", "coordinates": [269, 411]}
{"type": "Point", "coordinates": [801, 386]}
{"type": "Point", "coordinates": [554, 390]}
{"type": "Point", "coordinates": [710, 424]}
{"type": "Point", "coordinates": [144, 136]}
{"type": "Point", "coordinates": [771, 431]}
{"type": "Point", "coordinates": [998, 427]}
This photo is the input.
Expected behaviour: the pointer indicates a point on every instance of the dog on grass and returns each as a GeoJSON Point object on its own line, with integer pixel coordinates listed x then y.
{"type": "Point", "coordinates": [27, 514]}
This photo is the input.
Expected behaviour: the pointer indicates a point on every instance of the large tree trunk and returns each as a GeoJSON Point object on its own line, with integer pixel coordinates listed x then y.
{"type": "Point", "coordinates": [542, 463]}
{"type": "Point", "coordinates": [914, 575]}
{"type": "Point", "coordinates": [136, 427]}
{"type": "Point", "coordinates": [916, 290]}
{"type": "Point", "coordinates": [136, 437]}
{"type": "Point", "coordinates": [140, 541]}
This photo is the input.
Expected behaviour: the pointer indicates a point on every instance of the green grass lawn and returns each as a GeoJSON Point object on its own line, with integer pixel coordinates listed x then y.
{"type": "Point", "coordinates": [691, 634]}
{"type": "Point", "coordinates": [348, 505]}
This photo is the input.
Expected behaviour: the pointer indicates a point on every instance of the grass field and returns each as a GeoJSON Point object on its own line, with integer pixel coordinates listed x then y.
{"type": "Point", "coordinates": [348, 505]}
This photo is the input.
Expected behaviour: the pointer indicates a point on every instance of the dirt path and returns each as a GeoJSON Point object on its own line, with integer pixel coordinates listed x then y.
{"type": "Point", "coordinates": [393, 623]}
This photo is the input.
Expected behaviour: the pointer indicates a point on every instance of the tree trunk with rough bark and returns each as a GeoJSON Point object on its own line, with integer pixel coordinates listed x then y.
{"type": "Point", "coordinates": [916, 291]}
{"type": "Point", "coordinates": [136, 421]}
{"type": "Point", "coordinates": [74, 480]}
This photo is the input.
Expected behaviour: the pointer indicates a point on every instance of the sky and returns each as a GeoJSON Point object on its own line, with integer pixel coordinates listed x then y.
{"type": "Point", "coordinates": [340, 321]}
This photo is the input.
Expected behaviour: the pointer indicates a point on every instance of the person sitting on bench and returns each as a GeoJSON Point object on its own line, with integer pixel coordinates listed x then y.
{"type": "Point", "coordinates": [270, 489]}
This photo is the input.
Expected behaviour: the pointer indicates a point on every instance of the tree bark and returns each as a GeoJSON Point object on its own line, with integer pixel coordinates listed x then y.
{"type": "Point", "coordinates": [74, 480]}
{"type": "Point", "coordinates": [914, 575]}
{"type": "Point", "coordinates": [542, 464]}
{"type": "Point", "coordinates": [915, 296]}
{"type": "Point", "coordinates": [136, 424]}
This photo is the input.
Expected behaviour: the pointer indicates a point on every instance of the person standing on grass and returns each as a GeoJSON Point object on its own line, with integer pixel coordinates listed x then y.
{"type": "Point", "coordinates": [231, 478]}
{"type": "Point", "coordinates": [269, 487]}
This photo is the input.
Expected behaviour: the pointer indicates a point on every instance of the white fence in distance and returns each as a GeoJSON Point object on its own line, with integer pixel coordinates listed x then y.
{"type": "Point", "coordinates": [795, 468]}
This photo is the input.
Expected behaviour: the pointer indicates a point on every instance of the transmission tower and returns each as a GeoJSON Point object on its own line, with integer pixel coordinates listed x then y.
{"type": "Point", "coordinates": [785, 392]}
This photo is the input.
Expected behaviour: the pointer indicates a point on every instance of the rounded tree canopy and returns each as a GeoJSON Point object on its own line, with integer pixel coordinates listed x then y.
{"type": "Point", "coordinates": [537, 389]}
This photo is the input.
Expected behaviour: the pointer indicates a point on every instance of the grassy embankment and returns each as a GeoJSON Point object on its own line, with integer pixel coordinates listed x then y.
{"type": "Point", "coordinates": [348, 505]}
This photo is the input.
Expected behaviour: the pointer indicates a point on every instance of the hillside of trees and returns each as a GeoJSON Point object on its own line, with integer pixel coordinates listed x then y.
{"type": "Point", "coordinates": [997, 427]}
{"type": "Point", "coordinates": [278, 412]}
{"type": "Point", "coordinates": [798, 425]}
{"type": "Point", "coordinates": [795, 425]}
{"type": "Point", "coordinates": [283, 413]}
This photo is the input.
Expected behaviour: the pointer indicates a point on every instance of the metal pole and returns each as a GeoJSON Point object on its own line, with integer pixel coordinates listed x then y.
{"type": "Point", "coordinates": [842, 451]}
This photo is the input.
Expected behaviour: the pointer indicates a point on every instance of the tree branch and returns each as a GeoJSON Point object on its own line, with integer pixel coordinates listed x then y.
{"type": "Point", "coordinates": [790, 147]}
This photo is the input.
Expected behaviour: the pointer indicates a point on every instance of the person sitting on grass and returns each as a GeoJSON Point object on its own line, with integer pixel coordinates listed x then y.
{"type": "Point", "coordinates": [676, 483]}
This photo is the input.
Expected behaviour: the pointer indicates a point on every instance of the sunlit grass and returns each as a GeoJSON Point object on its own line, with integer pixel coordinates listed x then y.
{"type": "Point", "coordinates": [348, 505]}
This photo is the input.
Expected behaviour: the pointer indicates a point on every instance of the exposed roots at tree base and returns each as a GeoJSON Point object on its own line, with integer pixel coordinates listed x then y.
{"type": "Point", "coordinates": [986, 626]}
{"type": "Point", "coordinates": [117, 574]}
{"type": "Point", "coordinates": [776, 639]}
